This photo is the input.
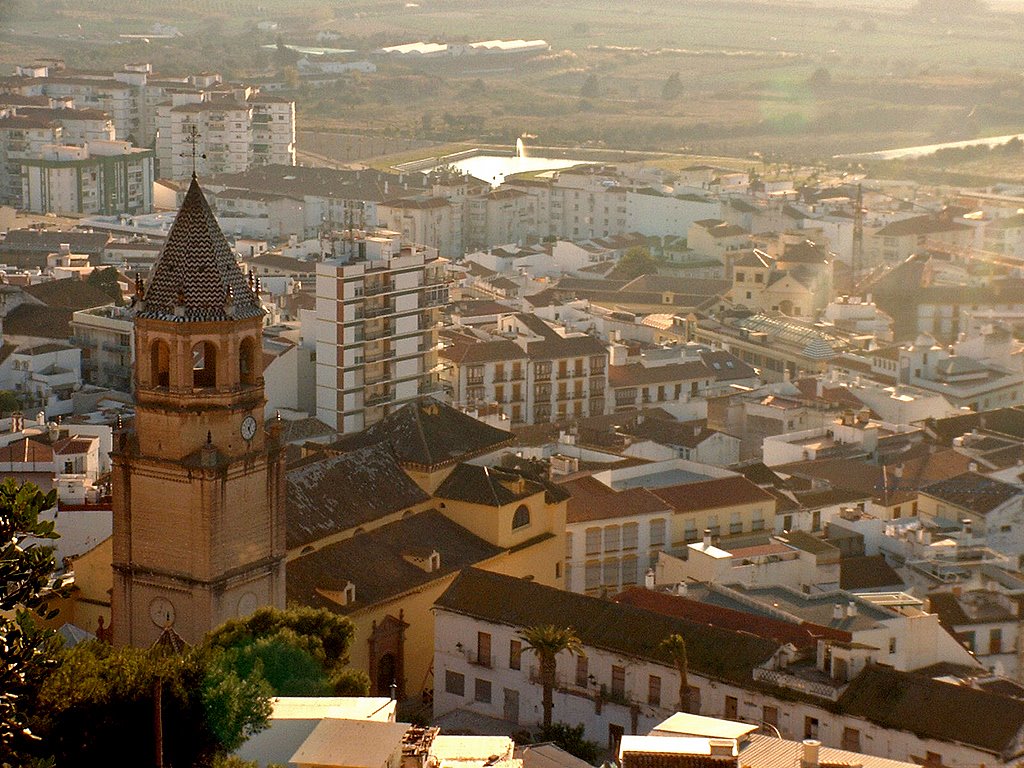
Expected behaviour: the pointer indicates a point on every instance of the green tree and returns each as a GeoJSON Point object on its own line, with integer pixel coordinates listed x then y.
{"type": "Point", "coordinates": [591, 87]}
{"type": "Point", "coordinates": [546, 642]}
{"type": "Point", "coordinates": [9, 402]}
{"type": "Point", "coordinates": [675, 647]}
{"type": "Point", "coordinates": [571, 739]}
{"type": "Point", "coordinates": [672, 88]}
{"type": "Point", "coordinates": [301, 651]}
{"type": "Point", "coordinates": [26, 570]}
{"type": "Point", "coordinates": [106, 280]}
{"type": "Point", "coordinates": [635, 262]}
{"type": "Point", "coordinates": [101, 701]}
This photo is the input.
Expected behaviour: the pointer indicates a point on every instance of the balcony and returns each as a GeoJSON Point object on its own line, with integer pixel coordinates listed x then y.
{"type": "Point", "coordinates": [813, 682]}
{"type": "Point", "coordinates": [379, 400]}
{"type": "Point", "coordinates": [376, 290]}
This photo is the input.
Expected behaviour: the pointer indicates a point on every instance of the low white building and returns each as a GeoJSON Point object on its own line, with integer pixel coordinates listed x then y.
{"type": "Point", "coordinates": [814, 566]}
{"type": "Point", "coordinates": [624, 684]}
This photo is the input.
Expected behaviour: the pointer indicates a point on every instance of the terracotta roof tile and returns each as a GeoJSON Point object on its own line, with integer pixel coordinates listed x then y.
{"type": "Point", "coordinates": [713, 494]}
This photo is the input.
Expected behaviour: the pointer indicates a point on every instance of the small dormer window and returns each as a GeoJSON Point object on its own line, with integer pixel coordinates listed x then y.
{"type": "Point", "coordinates": [435, 561]}
{"type": "Point", "coordinates": [350, 593]}
{"type": "Point", "coordinates": [521, 518]}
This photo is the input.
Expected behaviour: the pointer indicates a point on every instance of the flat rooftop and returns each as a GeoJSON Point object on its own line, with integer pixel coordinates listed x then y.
{"type": "Point", "coordinates": [660, 479]}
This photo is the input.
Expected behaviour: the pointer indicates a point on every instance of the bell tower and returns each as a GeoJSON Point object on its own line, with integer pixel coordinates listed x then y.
{"type": "Point", "coordinates": [198, 486]}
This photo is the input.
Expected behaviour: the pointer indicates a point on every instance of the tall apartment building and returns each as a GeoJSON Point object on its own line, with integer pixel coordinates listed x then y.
{"type": "Point", "coordinates": [138, 103]}
{"type": "Point", "coordinates": [22, 138]}
{"type": "Point", "coordinates": [377, 309]}
{"type": "Point", "coordinates": [104, 177]}
{"type": "Point", "coordinates": [532, 371]}
{"type": "Point", "coordinates": [232, 131]}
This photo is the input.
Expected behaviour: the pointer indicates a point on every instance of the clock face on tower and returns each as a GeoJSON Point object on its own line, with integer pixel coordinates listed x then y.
{"type": "Point", "coordinates": [248, 428]}
{"type": "Point", "coordinates": [161, 612]}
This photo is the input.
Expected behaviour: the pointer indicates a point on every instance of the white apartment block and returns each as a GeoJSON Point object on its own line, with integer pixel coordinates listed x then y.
{"type": "Point", "coordinates": [103, 177]}
{"type": "Point", "coordinates": [22, 138]}
{"type": "Point", "coordinates": [43, 377]}
{"type": "Point", "coordinates": [106, 337]}
{"type": "Point", "coordinates": [233, 132]}
{"type": "Point", "coordinates": [377, 312]}
{"type": "Point", "coordinates": [533, 371]}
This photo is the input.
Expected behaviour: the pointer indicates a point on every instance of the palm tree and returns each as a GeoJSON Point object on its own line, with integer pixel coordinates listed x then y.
{"type": "Point", "coordinates": [546, 642]}
{"type": "Point", "coordinates": [675, 646]}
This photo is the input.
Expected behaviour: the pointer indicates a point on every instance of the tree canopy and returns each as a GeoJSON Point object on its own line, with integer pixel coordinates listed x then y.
{"type": "Point", "coordinates": [100, 701]}
{"type": "Point", "coordinates": [26, 570]}
{"type": "Point", "coordinates": [635, 262]}
{"type": "Point", "coordinates": [106, 280]}
{"type": "Point", "coordinates": [300, 652]}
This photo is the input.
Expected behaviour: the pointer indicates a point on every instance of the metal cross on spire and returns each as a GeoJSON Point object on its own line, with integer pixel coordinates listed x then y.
{"type": "Point", "coordinates": [192, 137]}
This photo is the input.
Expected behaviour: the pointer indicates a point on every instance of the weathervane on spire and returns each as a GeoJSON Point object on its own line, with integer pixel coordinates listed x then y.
{"type": "Point", "coordinates": [192, 137]}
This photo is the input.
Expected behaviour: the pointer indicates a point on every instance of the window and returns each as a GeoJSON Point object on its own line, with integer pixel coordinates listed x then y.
{"type": "Point", "coordinates": [582, 671]}
{"type": "Point", "coordinates": [658, 532]}
{"type": "Point", "coordinates": [610, 577]}
{"type": "Point", "coordinates": [618, 681]}
{"type": "Point", "coordinates": [851, 739]}
{"type": "Point", "coordinates": [629, 535]}
{"type": "Point", "coordinates": [592, 576]}
{"type": "Point", "coordinates": [515, 654]}
{"type": "Point", "coordinates": [654, 691]}
{"type": "Point", "coordinates": [810, 727]}
{"type": "Point", "coordinates": [732, 707]}
{"type": "Point", "coordinates": [892, 645]}
{"type": "Point", "coordinates": [629, 570]}
{"type": "Point", "coordinates": [593, 541]}
{"type": "Point", "coordinates": [482, 691]}
{"type": "Point", "coordinates": [521, 518]}
{"type": "Point", "coordinates": [770, 715]}
{"type": "Point", "coordinates": [611, 538]}
{"type": "Point", "coordinates": [483, 648]}
{"type": "Point", "coordinates": [454, 683]}
{"type": "Point", "coordinates": [204, 365]}
{"type": "Point", "coordinates": [995, 640]}
{"type": "Point", "coordinates": [568, 545]}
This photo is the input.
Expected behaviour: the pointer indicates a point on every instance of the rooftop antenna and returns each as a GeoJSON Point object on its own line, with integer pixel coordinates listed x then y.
{"type": "Point", "coordinates": [192, 137]}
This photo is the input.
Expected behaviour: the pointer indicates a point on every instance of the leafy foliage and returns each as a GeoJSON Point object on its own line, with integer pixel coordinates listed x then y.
{"type": "Point", "coordinates": [570, 738]}
{"type": "Point", "coordinates": [106, 280]}
{"type": "Point", "coordinates": [635, 262]}
{"type": "Point", "coordinates": [675, 647]}
{"type": "Point", "coordinates": [100, 701]}
{"type": "Point", "coordinates": [546, 642]}
{"type": "Point", "coordinates": [300, 651]}
{"type": "Point", "coordinates": [9, 402]}
{"type": "Point", "coordinates": [26, 567]}
{"type": "Point", "coordinates": [672, 88]}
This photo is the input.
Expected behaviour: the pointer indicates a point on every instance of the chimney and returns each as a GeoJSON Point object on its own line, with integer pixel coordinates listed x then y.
{"type": "Point", "coordinates": [681, 589]}
{"type": "Point", "coordinates": [809, 753]}
{"type": "Point", "coordinates": [965, 524]}
{"type": "Point", "coordinates": [972, 467]}
{"type": "Point", "coordinates": [707, 538]}
{"type": "Point", "coordinates": [649, 579]}
{"type": "Point", "coordinates": [837, 612]}
{"type": "Point", "coordinates": [851, 609]}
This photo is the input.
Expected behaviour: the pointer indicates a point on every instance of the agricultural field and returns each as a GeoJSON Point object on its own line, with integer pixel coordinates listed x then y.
{"type": "Point", "coordinates": [771, 82]}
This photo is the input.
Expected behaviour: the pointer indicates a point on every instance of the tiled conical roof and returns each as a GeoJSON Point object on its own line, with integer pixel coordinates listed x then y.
{"type": "Point", "coordinates": [196, 278]}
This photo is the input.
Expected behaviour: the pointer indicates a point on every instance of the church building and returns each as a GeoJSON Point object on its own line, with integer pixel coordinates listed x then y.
{"type": "Point", "coordinates": [199, 521]}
